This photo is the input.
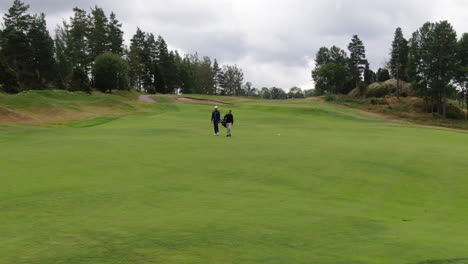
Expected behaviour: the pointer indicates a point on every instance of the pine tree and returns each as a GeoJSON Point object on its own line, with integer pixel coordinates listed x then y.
{"type": "Point", "coordinates": [369, 75]}
{"type": "Point", "coordinates": [172, 74]}
{"type": "Point", "coordinates": [382, 75]}
{"type": "Point", "coordinates": [8, 77]}
{"type": "Point", "coordinates": [443, 50]}
{"type": "Point", "coordinates": [98, 38]}
{"type": "Point", "coordinates": [42, 47]}
{"type": "Point", "coordinates": [462, 69]}
{"type": "Point", "coordinates": [157, 58]}
{"type": "Point", "coordinates": [64, 64]}
{"type": "Point", "coordinates": [79, 80]}
{"type": "Point", "coordinates": [433, 52]}
{"type": "Point", "coordinates": [115, 35]}
{"type": "Point", "coordinates": [135, 60]}
{"type": "Point", "coordinates": [78, 40]}
{"type": "Point", "coordinates": [399, 58]}
{"type": "Point", "coordinates": [15, 45]}
{"type": "Point", "coordinates": [233, 79]}
{"type": "Point", "coordinates": [357, 58]}
{"type": "Point", "coordinates": [216, 77]}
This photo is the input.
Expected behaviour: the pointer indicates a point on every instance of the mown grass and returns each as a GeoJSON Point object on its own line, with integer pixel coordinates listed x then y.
{"type": "Point", "coordinates": [299, 182]}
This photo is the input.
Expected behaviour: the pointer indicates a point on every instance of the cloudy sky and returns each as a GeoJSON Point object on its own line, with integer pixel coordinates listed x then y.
{"type": "Point", "coordinates": [273, 41]}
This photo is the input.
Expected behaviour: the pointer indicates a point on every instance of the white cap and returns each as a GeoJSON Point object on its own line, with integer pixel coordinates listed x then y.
{"type": "Point", "coordinates": [216, 106]}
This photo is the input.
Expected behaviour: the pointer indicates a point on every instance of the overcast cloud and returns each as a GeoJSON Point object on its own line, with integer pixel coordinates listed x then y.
{"type": "Point", "coordinates": [273, 41]}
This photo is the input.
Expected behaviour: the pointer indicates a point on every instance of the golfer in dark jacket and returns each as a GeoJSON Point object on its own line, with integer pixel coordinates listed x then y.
{"type": "Point", "coordinates": [215, 119]}
{"type": "Point", "coordinates": [229, 119]}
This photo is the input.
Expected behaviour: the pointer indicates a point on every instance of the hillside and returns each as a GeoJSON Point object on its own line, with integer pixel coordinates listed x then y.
{"type": "Point", "coordinates": [405, 109]}
{"type": "Point", "coordinates": [57, 106]}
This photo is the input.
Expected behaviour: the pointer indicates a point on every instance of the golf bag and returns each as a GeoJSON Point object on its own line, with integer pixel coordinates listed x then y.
{"type": "Point", "coordinates": [223, 122]}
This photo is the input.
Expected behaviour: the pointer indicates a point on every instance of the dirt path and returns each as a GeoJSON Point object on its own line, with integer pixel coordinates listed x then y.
{"type": "Point", "coordinates": [191, 99]}
{"type": "Point", "coordinates": [146, 98]}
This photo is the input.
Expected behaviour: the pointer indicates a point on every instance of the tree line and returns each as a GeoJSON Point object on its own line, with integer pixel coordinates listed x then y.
{"type": "Point", "coordinates": [434, 60]}
{"type": "Point", "coordinates": [88, 52]}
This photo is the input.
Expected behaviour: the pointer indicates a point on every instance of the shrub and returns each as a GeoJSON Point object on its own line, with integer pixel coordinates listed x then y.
{"type": "Point", "coordinates": [151, 90]}
{"type": "Point", "coordinates": [454, 112]}
{"type": "Point", "coordinates": [378, 91]}
{"type": "Point", "coordinates": [110, 72]}
{"type": "Point", "coordinates": [330, 97]}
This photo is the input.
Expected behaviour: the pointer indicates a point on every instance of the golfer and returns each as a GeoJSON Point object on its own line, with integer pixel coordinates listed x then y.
{"type": "Point", "coordinates": [215, 119]}
{"type": "Point", "coordinates": [229, 119]}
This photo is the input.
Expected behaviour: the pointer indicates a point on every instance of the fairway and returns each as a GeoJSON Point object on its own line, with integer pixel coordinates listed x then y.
{"type": "Point", "coordinates": [299, 182]}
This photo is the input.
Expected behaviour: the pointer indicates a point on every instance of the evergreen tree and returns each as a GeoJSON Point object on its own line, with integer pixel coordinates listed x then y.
{"type": "Point", "coordinates": [382, 75]}
{"type": "Point", "coordinates": [206, 76]}
{"type": "Point", "coordinates": [79, 80]}
{"type": "Point", "coordinates": [443, 50]}
{"type": "Point", "coordinates": [78, 45]}
{"type": "Point", "coordinates": [172, 74]}
{"type": "Point", "coordinates": [216, 76]}
{"type": "Point", "coordinates": [98, 39]}
{"type": "Point", "coordinates": [15, 44]}
{"type": "Point", "coordinates": [399, 58]}
{"type": "Point", "coordinates": [135, 60]}
{"type": "Point", "coordinates": [42, 48]}
{"type": "Point", "coordinates": [233, 79]}
{"type": "Point", "coordinates": [322, 57]}
{"type": "Point", "coordinates": [8, 77]}
{"type": "Point", "coordinates": [462, 69]}
{"type": "Point", "coordinates": [418, 68]}
{"type": "Point", "coordinates": [64, 64]}
{"type": "Point", "coordinates": [295, 92]}
{"type": "Point", "coordinates": [115, 35]}
{"type": "Point", "coordinates": [369, 75]}
{"type": "Point", "coordinates": [433, 52]}
{"type": "Point", "coordinates": [161, 63]}
{"type": "Point", "coordinates": [357, 58]}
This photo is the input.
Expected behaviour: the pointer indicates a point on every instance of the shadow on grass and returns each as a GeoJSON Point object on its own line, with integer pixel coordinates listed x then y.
{"type": "Point", "coordinates": [446, 261]}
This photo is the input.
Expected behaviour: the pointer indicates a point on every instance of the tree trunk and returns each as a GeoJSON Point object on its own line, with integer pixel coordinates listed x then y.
{"type": "Point", "coordinates": [466, 102]}
{"type": "Point", "coordinates": [398, 88]}
{"type": "Point", "coordinates": [398, 84]}
{"type": "Point", "coordinates": [444, 102]}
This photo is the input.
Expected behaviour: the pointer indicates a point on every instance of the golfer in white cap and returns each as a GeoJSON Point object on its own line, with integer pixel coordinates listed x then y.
{"type": "Point", "coordinates": [215, 119]}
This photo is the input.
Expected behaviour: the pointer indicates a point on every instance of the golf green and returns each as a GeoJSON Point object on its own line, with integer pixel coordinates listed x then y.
{"type": "Point", "coordinates": [299, 182]}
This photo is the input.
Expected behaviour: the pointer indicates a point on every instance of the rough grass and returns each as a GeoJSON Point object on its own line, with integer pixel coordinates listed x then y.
{"type": "Point", "coordinates": [157, 187]}
{"type": "Point", "coordinates": [410, 109]}
{"type": "Point", "coordinates": [58, 106]}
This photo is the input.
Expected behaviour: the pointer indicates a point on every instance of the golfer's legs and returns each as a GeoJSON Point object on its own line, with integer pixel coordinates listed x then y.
{"type": "Point", "coordinates": [229, 126]}
{"type": "Point", "coordinates": [216, 127]}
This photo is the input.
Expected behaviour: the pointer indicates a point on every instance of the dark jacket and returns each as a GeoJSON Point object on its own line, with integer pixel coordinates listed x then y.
{"type": "Point", "coordinates": [215, 116]}
{"type": "Point", "coordinates": [229, 118]}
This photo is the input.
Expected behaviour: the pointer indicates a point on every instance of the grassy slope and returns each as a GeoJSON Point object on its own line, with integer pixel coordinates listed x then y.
{"type": "Point", "coordinates": [407, 109]}
{"type": "Point", "coordinates": [335, 187]}
{"type": "Point", "coordinates": [58, 107]}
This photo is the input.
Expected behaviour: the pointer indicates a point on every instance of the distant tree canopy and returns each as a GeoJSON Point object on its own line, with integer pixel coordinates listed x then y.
{"type": "Point", "coordinates": [332, 73]}
{"type": "Point", "coordinates": [433, 60]}
{"type": "Point", "coordinates": [91, 45]}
